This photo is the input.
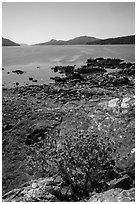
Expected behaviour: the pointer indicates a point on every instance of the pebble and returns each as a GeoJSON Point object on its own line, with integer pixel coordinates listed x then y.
{"type": "Point", "coordinates": [133, 150]}
{"type": "Point", "coordinates": [34, 185]}
{"type": "Point", "coordinates": [39, 110]}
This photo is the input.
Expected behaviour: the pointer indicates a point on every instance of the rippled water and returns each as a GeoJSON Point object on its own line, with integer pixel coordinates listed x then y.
{"type": "Point", "coordinates": [30, 57]}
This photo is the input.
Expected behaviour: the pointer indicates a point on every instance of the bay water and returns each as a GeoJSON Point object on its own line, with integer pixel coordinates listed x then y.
{"type": "Point", "coordinates": [36, 61]}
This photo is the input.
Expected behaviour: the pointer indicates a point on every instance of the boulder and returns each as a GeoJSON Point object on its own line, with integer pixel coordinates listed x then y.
{"type": "Point", "coordinates": [121, 81]}
{"type": "Point", "coordinates": [18, 71]}
{"type": "Point", "coordinates": [124, 182]}
{"type": "Point", "coordinates": [30, 78]}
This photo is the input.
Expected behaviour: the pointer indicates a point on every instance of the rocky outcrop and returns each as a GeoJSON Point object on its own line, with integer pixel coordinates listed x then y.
{"type": "Point", "coordinates": [18, 71]}
{"type": "Point", "coordinates": [70, 141]}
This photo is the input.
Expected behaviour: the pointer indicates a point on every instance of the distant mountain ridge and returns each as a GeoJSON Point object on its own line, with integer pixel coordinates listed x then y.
{"type": "Point", "coordinates": [111, 41]}
{"type": "Point", "coordinates": [87, 40]}
{"type": "Point", "coordinates": [7, 42]}
{"type": "Point", "coordinates": [82, 40]}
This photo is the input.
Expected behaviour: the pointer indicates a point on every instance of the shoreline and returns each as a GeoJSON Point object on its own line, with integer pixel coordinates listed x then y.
{"type": "Point", "coordinates": [54, 56]}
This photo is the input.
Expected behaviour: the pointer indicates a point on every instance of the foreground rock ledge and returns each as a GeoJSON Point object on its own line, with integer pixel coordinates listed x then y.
{"type": "Point", "coordinates": [41, 191]}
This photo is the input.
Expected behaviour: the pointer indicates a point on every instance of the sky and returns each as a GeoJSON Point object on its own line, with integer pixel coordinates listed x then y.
{"type": "Point", "coordinates": [34, 22]}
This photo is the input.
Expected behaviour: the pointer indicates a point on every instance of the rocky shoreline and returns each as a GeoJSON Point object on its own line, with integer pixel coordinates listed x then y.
{"type": "Point", "coordinates": [72, 140]}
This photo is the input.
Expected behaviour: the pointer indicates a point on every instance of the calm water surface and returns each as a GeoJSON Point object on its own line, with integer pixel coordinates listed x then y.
{"type": "Point", "coordinates": [30, 57]}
